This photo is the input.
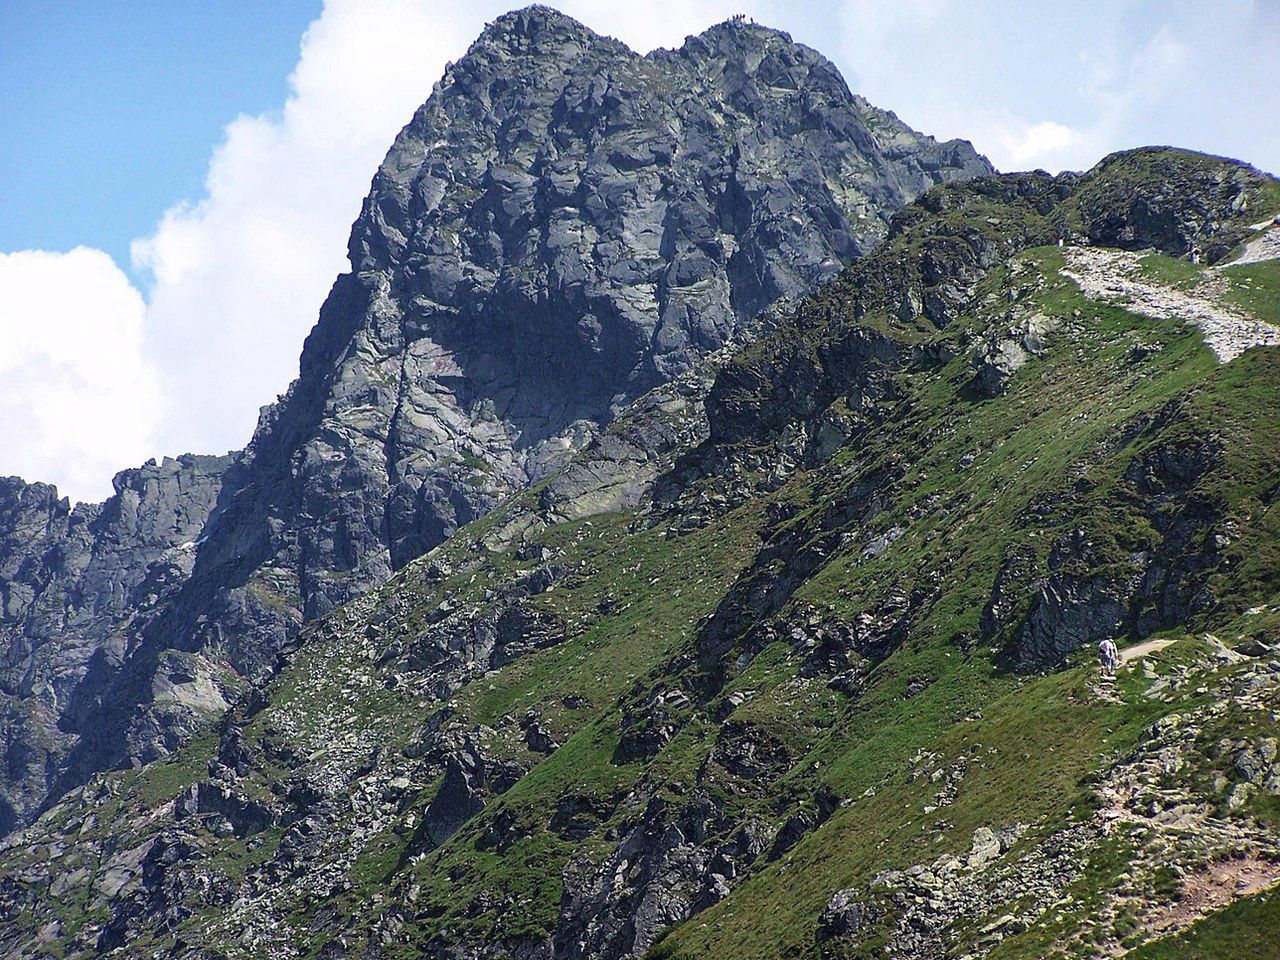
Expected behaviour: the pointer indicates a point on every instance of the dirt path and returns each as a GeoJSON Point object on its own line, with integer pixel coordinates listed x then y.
{"type": "Point", "coordinates": [1265, 246]}
{"type": "Point", "coordinates": [1142, 649]}
{"type": "Point", "coordinates": [1213, 888]}
{"type": "Point", "coordinates": [1114, 276]}
{"type": "Point", "coordinates": [1104, 687]}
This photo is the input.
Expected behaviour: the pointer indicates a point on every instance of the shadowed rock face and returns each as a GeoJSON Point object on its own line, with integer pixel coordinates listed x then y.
{"type": "Point", "coordinates": [562, 226]}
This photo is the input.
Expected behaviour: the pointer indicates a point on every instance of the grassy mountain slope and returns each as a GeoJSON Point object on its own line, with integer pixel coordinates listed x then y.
{"type": "Point", "coordinates": [828, 690]}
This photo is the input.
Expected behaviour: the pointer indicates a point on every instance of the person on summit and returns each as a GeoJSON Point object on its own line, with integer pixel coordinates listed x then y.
{"type": "Point", "coordinates": [1109, 655]}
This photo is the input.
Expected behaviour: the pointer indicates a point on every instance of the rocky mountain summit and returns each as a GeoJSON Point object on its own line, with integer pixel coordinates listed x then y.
{"type": "Point", "coordinates": [794, 657]}
{"type": "Point", "coordinates": [562, 227]}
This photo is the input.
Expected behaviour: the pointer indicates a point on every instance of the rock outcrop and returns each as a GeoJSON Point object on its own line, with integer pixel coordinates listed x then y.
{"type": "Point", "coordinates": [1007, 352]}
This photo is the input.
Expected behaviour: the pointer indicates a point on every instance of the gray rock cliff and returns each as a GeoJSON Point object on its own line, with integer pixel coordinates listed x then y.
{"type": "Point", "coordinates": [72, 582]}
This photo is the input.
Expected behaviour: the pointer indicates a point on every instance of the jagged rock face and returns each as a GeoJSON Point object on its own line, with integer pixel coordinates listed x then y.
{"type": "Point", "coordinates": [70, 580]}
{"type": "Point", "coordinates": [563, 225]}
{"type": "Point", "coordinates": [672, 871]}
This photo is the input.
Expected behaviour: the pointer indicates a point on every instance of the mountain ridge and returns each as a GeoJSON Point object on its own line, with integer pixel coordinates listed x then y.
{"type": "Point", "coordinates": [559, 229]}
{"type": "Point", "coordinates": [690, 534]}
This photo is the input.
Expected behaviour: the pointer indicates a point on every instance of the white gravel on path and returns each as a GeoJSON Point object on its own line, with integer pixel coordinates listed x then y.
{"type": "Point", "coordinates": [1265, 246]}
{"type": "Point", "coordinates": [1114, 276]}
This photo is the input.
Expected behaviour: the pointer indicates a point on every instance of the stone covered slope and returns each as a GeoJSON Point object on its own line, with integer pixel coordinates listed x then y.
{"type": "Point", "coordinates": [825, 687]}
{"type": "Point", "coordinates": [562, 226]}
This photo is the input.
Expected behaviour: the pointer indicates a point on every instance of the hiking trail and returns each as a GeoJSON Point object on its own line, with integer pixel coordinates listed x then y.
{"type": "Point", "coordinates": [1114, 276]}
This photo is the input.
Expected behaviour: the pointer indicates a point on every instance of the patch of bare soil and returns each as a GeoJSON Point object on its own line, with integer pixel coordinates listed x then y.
{"type": "Point", "coordinates": [1211, 889]}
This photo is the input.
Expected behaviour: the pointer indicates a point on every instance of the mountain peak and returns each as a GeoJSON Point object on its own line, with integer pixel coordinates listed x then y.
{"type": "Point", "coordinates": [536, 23]}
{"type": "Point", "coordinates": [562, 227]}
{"type": "Point", "coordinates": [739, 38]}
{"type": "Point", "coordinates": [739, 28]}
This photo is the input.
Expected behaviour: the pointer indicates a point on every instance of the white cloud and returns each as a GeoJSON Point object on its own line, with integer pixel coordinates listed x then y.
{"type": "Point", "coordinates": [1030, 145]}
{"type": "Point", "coordinates": [78, 401]}
{"type": "Point", "coordinates": [931, 61]}
{"type": "Point", "coordinates": [239, 276]}
{"type": "Point", "coordinates": [1014, 143]}
{"type": "Point", "coordinates": [1061, 85]}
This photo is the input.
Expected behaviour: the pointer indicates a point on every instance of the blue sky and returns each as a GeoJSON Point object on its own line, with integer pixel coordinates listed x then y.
{"type": "Point", "coordinates": [177, 179]}
{"type": "Point", "coordinates": [111, 109]}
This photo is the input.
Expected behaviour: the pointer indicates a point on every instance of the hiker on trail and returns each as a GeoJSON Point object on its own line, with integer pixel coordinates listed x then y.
{"type": "Point", "coordinates": [1109, 656]}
